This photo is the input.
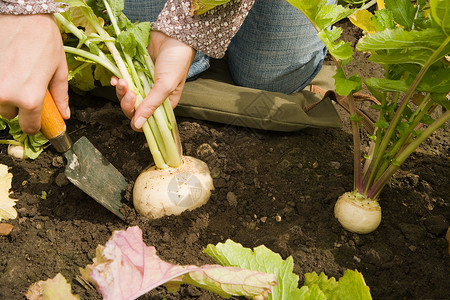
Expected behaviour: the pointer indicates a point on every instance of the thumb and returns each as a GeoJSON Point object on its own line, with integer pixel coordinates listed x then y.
{"type": "Point", "coordinates": [148, 106]}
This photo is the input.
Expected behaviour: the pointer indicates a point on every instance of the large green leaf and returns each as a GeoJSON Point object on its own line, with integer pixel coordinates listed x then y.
{"type": "Point", "coordinates": [399, 38]}
{"type": "Point", "coordinates": [387, 85]}
{"type": "Point", "coordinates": [317, 287]}
{"type": "Point", "coordinates": [339, 49]}
{"type": "Point", "coordinates": [260, 259]}
{"type": "Point", "coordinates": [403, 11]}
{"type": "Point", "coordinates": [384, 19]}
{"type": "Point", "coordinates": [440, 12]}
{"type": "Point", "coordinates": [435, 80]}
{"type": "Point", "coordinates": [414, 56]}
{"type": "Point", "coordinates": [344, 85]}
{"type": "Point", "coordinates": [352, 286]}
{"type": "Point", "coordinates": [330, 14]}
{"type": "Point", "coordinates": [309, 8]}
{"type": "Point", "coordinates": [116, 6]}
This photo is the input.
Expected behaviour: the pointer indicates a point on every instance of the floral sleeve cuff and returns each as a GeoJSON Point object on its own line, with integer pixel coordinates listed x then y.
{"type": "Point", "coordinates": [210, 32]}
{"type": "Point", "coordinates": [30, 7]}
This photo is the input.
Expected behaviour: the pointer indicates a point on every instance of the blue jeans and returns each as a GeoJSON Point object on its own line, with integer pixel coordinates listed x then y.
{"type": "Point", "coordinates": [276, 49]}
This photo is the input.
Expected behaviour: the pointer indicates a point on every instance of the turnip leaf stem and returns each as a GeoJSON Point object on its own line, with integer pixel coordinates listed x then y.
{"type": "Point", "coordinates": [357, 168]}
{"type": "Point", "coordinates": [161, 129]}
{"type": "Point", "coordinates": [407, 135]}
{"type": "Point", "coordinates": [380, 153]}
{"type": "Point", "coordinates": [94, 58]}
{"type": "Point", "coordinates": [11, 142]}
{"type": "Point", "coordinates": [377, 186]}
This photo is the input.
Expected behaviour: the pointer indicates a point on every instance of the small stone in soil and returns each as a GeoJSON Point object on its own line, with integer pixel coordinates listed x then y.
{"type": "Point", "coordinates": [5, 229]}
{"type": "Point", "coordinates": [61, 180]}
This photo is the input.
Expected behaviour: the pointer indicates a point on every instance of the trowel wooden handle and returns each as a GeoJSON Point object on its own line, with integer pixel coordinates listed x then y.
{"type": "Point", "coordinates": [52, 123]}
{"type": "Point", "coordinates": [53, 126]}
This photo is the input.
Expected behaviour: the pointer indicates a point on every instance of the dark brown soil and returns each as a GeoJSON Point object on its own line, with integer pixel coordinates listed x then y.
{"type": "Point", "coordinates": [258, 176]}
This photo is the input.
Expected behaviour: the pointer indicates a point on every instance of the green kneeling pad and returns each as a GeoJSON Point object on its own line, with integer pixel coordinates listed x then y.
{"type": "Point", "coordinates": [214, 97]}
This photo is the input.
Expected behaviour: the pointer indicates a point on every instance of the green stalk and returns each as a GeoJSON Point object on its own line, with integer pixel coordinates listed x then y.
{"type": "Point", "coordinates": [86, 54]}
{"type": "Point", "coordinates": [368, 5]}
{"type": "Point", "coordinates": [171, 154]}
{"type": "Point", "coordinates": [376, 144]}
{"type": "Point", "coordinates": [376, 188]}
{"type": "Point", "coordinates": [357, 168]}
{"type": "Point", "coordinates": [11, 142]}
{"type": "Point", "coordinates": [415, 120]}
{"type": "Point", "coordinates": [398, 113]}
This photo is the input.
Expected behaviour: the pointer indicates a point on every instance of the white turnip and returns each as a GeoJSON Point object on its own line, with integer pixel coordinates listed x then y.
{"type": "Point", "coordinates": [357, 213]}
{"type": "Point", "coordinates": [171, 191]}
{"type": "Point", "coordinates": [17, 151]}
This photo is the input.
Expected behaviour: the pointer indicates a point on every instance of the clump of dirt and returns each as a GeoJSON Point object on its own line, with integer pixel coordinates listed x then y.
{"type": "Point", "coordinates": [271, 188]}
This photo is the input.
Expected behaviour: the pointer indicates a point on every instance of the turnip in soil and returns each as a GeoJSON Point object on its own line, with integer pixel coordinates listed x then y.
{"type": "Point", "coordinates": [411, 41]}
{"type": "Point", "coordinates": [120, 49]}
{"type": "Point", "coordinates": [21, 145]}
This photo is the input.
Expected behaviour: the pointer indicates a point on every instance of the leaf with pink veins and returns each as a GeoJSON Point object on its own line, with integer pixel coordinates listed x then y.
{"type": "Point", "coordinates": [129, 269]}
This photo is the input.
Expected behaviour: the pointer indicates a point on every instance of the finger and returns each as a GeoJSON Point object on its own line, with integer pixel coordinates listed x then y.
{"type": "Point", "coordinates": [114, 80]}
{"type": "Point", "coordinates": [30, 114]}
{"type": "Point", "coordinates": [148, 106]}
{"type": "Point", "coordinates": [58, 87]}
{"type": "Point", "coordinates": [174, 98]}
{"type": "Point", "coordinates": [8, 111]}
{"type": "Point", "coordinates": [127, 104]}
{"type": "Point", "coordinates": [121, 88]}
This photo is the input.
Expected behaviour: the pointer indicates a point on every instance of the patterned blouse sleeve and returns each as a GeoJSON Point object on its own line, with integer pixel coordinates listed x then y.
{"type": "Point", "coordinates": [30, 7]}
{"type": "Point", "coordinates": [210, 32]}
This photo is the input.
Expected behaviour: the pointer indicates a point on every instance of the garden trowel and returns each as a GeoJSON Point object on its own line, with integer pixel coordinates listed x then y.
{"type": "Point", "coordinates": [86, 167]}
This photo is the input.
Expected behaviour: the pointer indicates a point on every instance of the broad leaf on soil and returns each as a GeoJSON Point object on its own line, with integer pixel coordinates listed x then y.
{"type": "Point", "coordinates": [7, 210]}
{"type": "Point", "coordinates": [350, 286]}
{"type": "Point", "coordinates": [127, 269]}
{"type": "Point", "coordinates": [51, 289]}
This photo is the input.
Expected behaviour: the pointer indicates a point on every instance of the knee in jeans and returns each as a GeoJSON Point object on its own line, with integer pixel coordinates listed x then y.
{"type": "Point", "coordinates": [257, 78]}
{"type": "Point", "coordinates": [283, 79]}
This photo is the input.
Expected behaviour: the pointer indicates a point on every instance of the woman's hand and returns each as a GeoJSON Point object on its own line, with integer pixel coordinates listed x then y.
{"type": "Point", "coordinates": [172, 61]}
{"type": "Point", "coordinates": [32, 59]}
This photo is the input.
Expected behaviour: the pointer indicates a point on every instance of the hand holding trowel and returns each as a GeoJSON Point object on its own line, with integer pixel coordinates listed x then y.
{"type": "Point", "coordinates": [86, 167]}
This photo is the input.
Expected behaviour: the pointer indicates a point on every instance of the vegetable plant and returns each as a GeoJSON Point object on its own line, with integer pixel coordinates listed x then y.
{"type": "Point", "coordinates": [21, 145]}
{"type": "Point", "coordinates": [126, 268]}
{"type": "Point", "coordinates": [411, 41]}
{"type": "Point", "coordinates": [350, 286]}
{"type": "Point", "coordinates": [100, 42]}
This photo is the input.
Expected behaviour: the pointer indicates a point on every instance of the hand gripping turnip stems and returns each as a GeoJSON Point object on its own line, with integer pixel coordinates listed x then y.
{"type": "Point", "coordinates": [161, 130]}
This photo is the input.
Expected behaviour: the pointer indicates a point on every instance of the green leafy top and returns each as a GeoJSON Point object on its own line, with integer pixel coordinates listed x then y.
{"type": "Point", "coordinates": [33, 144]}
{"type": "Point", "coordinates": [262, 259]}
{"type": "Point", "coordinates": [411, 41]}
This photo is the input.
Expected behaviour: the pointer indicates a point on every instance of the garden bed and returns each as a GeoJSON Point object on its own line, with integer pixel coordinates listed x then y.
{"type": "Point", "coordinates": [271, 188]}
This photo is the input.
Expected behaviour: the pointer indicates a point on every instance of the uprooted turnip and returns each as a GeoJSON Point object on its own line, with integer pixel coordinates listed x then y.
{"type": "Point", "coordinates": [175, 183]}
{"type": "Point", "coordinates": [170, 191]}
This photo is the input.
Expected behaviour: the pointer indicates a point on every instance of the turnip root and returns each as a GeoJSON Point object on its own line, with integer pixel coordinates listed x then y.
{"type": "Point", "coordinates": [17, 151]}
{"type": "Point", "coordinates": [357, 213]}
{"type": "Point", "coordinates": [171, 191]}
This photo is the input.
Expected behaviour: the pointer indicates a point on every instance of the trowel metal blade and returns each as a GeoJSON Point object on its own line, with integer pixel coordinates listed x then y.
{"type": "Point", "coordinates": [89, 170]}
